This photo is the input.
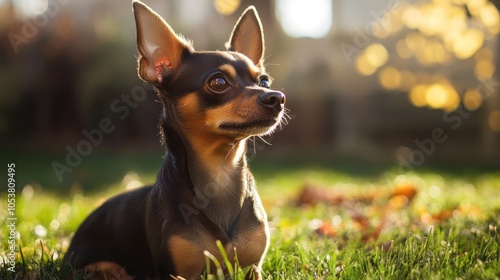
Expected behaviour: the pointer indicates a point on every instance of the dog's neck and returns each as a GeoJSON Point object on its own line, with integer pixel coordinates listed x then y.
{"type": "Point", "coordinates": [215, 166]}
{"type": "Point", "coordinates": [219, 174]}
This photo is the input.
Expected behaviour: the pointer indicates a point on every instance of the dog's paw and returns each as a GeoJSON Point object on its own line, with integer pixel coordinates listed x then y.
{"type": "Point", "coordinates": [107, 271]}
{"type": "Point", "coordinates": [254, 273]}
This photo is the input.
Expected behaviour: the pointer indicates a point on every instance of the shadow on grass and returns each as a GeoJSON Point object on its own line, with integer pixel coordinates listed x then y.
{"type": "Point", "coordinates": [102, 168]}
{"type": "Point", "coordinates": [96, 171]}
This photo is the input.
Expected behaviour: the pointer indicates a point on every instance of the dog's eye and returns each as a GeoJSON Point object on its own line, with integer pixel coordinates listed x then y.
{"type": "Point", "coordinates": [264, 82]}
{"type": "Point", "coordinates": [218, 84]}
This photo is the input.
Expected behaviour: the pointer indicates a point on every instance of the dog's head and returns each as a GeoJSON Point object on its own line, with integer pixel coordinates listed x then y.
{"type": "Point", "coordinates": [215, 93]}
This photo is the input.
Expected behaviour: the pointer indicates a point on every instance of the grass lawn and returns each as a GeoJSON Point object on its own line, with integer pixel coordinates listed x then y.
{"type": "Point", "coordinates": [385, 225]}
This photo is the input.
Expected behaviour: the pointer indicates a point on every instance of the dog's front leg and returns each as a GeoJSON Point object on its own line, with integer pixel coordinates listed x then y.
{"type": "Point", "coordinates": [254, 273]}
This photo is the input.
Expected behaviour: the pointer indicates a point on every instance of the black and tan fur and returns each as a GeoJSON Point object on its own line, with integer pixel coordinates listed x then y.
{"type": "Point", "coordinates": [213, 102]}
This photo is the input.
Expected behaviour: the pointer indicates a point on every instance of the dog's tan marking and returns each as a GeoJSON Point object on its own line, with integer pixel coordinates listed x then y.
{"type": "Point", "coordinates": [188, 257]}
{"type": "Point", "coordinates": [228, 69]}
{"type": "Point", "coordinates": [256, 71]}
{"type": "Point", "coordinates": [252, 243]}
{"type": "Point", "coordinates": [202, 128]}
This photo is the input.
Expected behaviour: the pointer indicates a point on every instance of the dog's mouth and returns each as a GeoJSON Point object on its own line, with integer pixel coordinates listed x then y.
{"type": "Point", "coordinates": [251, 127]}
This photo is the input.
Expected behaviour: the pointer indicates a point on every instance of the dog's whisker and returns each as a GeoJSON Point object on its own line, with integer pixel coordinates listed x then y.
{"type": "Point", "coordinates": [268, 56]}
{"type": "Point", "coordinates": [232, 148]}
{"type": "Point", "coordinates": [284, 121]}
{"type": "Point", "coordinates": [263, 140]}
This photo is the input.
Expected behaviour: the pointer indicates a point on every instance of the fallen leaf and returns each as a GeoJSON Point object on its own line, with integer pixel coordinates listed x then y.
{"type": "Point", "coordinates": [312, 195]}
{"type": "Point", "coordinates": [407, 190]}
{"type": "Point", "coordinates": [326, 229]}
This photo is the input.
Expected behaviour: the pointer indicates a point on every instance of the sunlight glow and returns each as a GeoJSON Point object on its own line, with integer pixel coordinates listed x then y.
{"type": "Point", "coordinates": [31, 8]}
{"type": "Point", "coordinates": [305, 18]}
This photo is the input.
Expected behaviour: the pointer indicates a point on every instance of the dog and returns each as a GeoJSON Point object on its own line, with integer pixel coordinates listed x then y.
{"type": "Point", "coordinates": [213, 103]}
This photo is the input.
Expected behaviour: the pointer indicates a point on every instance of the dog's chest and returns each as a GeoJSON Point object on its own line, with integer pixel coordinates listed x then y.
{"type": "Point", "coordinates": [188, 255]}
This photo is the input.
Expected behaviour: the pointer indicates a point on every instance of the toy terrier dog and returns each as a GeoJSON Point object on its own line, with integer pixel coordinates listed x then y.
{"type": "Point", "coordinates": [213, 102]}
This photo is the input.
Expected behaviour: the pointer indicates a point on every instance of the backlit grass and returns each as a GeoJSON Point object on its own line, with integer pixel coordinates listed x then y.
{"type": "Point", "coordinates": [450, 230]}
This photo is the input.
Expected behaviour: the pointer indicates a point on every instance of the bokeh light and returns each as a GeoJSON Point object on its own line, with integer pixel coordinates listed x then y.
{"type": "Point", "coordinates": [474, 6]}
{"type": "Point", "coordinates": [467, 43]}
{"type": "Point", "coordinates": [376, 55]}
{"type": "Point", "coordinates": [440, 95]}
{"type": "Point", "coordinates": [436, 96]}
{"type": "Point", "coordinates": [494, 120]}
{"type": "Point", "coordinates": [472, 99]}
{"type": "Point", "coordinates": [132, 181]}
{"type": "Point", "coordinates": [438, 32]}
{"type": "Point", "coordinates": [372, 57]}
{"type": "Point", "coordinates": [484, 69]}
{"type": "Point", "coordinates": [363, 66]}
{"type": "Point", "coordinates": [40, 231]}
{"type": "Point", "coordinates": [489, 15]}
{"type": "Point", "coordinates": [226, 7]}
{"type": "Point", "coordinates": [418, 95]}
{"type": "Point", "coordinates": [390, 78]}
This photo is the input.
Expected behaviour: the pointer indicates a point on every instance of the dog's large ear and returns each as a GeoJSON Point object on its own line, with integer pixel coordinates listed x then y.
{"type": "Point", "coordinates": [247, 36]}
{"type": "Point", "coordinates": [159, 47]}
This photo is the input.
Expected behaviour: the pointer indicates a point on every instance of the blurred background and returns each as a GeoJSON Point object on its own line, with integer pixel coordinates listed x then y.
{"type": "Point", "coordinates": [378, 82]}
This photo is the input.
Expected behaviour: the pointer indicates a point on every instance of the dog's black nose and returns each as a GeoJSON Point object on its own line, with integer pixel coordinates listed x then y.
{"type": "Point", "coordinates": [274, 100]}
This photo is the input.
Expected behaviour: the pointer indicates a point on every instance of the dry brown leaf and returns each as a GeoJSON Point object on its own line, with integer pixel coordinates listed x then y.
{"type": "Point", "coordinates": [326, 229]}
{"type": "Point", "coordinates": [312, 195]}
